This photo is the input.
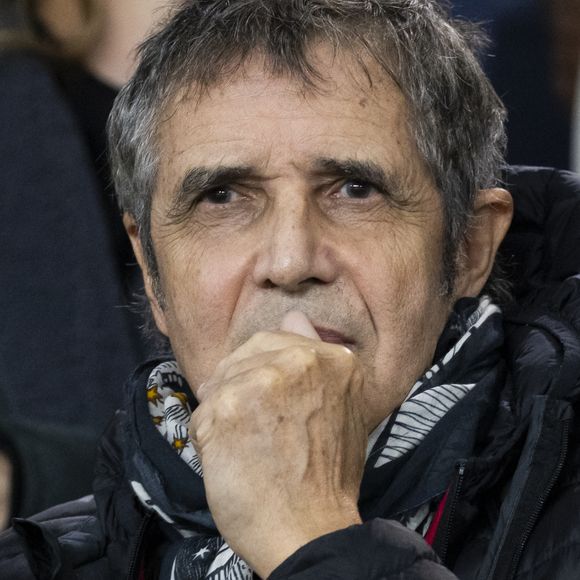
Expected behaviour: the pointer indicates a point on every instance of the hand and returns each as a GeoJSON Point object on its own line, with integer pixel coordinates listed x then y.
{"type": "Point", "coordinates": [281, 434]}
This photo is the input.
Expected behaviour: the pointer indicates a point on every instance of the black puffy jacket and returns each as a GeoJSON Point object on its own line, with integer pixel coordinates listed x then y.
{"type": "Point", "coordinates": [512, 495]}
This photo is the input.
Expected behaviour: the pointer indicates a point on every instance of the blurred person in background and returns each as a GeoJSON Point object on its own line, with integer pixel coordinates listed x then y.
{"type": "Point", "coordinates": [566, 33]}
{"type": "Point", "coordinates": [531, 63]}
{"type": "Point", "coordinates": [67, 334]}
{"type": "Point", "coordinates": [576, 127]}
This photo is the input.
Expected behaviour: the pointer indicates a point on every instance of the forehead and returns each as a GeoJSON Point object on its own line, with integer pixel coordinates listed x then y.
{"type": "Point", "coordinates": [277, 123]}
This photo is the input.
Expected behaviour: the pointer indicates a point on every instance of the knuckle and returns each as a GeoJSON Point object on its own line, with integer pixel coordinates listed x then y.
{"type": "Point", "coordinates": [262, 336]}
{"type": "Point", "coordinates": [266, 375]}
{"type": "Point", "coordinates": [227, 405]}
{"type": "Point", "coordinates": [343, 357]}
{"type": "Point", "coordinates": [297, 359]}
{"type": "Point", "coordinates": [357, 374]}
{"type": "Point", "coordinates": [200, 426]}
{"type": "Point", "coordinates": [347, 365]}
{"type": "Point", "coordinates": [222, 366]}
{"type": "Point", "coordinates": [303, 355]}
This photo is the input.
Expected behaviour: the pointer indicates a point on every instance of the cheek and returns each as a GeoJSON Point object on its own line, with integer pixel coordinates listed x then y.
{"type": "Point", "coordinates": [202, 289]}
{"type": "Point", "coordinates": [409, 313]}
{"type": "Point", "coordinates": [406, 312]}
{"type": "Point", "coordinates": [405, 275]}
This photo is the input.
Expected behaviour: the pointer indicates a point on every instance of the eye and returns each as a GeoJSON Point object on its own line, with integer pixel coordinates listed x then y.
{"type": "Point", "coordinates": [357, 189]}
{"type": "Point", "coordinates": [219, 196]}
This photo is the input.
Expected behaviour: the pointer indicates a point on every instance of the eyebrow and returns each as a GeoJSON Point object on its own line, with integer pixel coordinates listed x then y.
{"type": "Point", "coordinates": [200, 179]}
{"type": "Point", "coordinates": [389, 184]}
{"type": "Point", "coordinates": [203, 178]}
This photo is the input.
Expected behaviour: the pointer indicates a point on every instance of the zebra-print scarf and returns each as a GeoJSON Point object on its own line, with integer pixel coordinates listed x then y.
{"type": "Point", "coordinates": [432, 396]}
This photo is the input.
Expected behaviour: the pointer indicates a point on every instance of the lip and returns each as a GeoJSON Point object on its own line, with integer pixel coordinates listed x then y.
{"type": "Point", "coordinates": [334, 337]}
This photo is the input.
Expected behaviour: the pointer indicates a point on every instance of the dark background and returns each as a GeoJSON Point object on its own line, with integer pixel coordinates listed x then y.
{"type": "Point", "coordinates": [532, 62]}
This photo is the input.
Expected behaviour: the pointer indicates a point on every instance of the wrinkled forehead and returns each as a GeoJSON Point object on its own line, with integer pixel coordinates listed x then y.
{"type": "Point", "coordinates": [326, 69]}
{"type": "Point", "coordinates": [347, 97]}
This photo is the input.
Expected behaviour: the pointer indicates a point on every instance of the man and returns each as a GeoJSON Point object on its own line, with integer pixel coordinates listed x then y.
{"type": "Point", "coordinates": [311, 191]}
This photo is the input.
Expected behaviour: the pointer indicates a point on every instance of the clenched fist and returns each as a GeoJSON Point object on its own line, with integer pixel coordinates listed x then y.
{"type": "Point", "coordinates": [281, 434]}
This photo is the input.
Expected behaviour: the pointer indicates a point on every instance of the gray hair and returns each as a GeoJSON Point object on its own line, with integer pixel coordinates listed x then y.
{"type": "Point", "coordinates": [455, 116]}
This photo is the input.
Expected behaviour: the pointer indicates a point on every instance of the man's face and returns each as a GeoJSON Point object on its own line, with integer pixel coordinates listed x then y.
{"type": "Point", "coordinates": [273, 198]}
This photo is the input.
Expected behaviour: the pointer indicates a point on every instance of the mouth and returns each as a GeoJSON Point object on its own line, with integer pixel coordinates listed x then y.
{"type": "Point", "coordinates": [334, 337]}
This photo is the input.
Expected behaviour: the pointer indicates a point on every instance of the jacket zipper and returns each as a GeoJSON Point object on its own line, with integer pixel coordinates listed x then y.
{"type": "Point", "coordinates": [452, 506]}
{"type": "Point", "coordinates": [542, 500]}
{"type": "Point", "coordinates": [136, 552]}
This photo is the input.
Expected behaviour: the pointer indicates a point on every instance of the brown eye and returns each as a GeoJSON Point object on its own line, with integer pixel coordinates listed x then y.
{"type": "Point", "coordinates": [219, 196]}
{"type": "Point", "coordinates": [355, 189]}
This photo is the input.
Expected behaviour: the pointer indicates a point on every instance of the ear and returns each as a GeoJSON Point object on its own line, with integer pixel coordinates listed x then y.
{"type": "Point", "coordinates": [492, 217]}
{"type": "Point", "coordinates": [158, 312]}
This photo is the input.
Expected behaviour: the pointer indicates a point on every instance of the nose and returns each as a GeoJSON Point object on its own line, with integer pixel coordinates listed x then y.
{"type": "Point", "coordinates": [294, 251]}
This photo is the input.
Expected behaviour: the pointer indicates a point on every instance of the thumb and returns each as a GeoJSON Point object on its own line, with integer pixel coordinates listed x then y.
{"type": "Point", "coordinates": [298, 323]}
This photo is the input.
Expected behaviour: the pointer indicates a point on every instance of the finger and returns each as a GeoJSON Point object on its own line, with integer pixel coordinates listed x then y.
{"type": "Point", "coordinates": [293, 358]}
{"type": "Point", "coordinates": [295, 330]}
{"type": "Point", "coordinates": [264, 342]}
{"type": "Point", "coordinates": [240, 365]}
{"type": "Point", "coordinates": [298, 323]}
{"type": "Point", "coordinates": [200, 425]}
{"type": "Point", "coordinates": [201, 391]}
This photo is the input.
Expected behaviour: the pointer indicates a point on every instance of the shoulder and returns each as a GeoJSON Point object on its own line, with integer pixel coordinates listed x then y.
{"type": "Point", "coordinates": [376, 549]}
{"type": "Point", "coordinates": [553, 550]}
{"type": "Point", "coordinates": [62, 538]}
{"type": "Point", "coordinates": [540, 248]}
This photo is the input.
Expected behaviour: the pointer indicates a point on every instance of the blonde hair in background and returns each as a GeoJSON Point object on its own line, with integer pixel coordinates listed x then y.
{"type": "Point", "coordinates": [576, 126]}
{"type": "Point", "coordinates": [62, 28]}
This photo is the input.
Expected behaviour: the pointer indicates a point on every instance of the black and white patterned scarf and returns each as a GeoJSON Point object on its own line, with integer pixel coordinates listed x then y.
{"type": "Point", "coordinates": [429, 400]}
